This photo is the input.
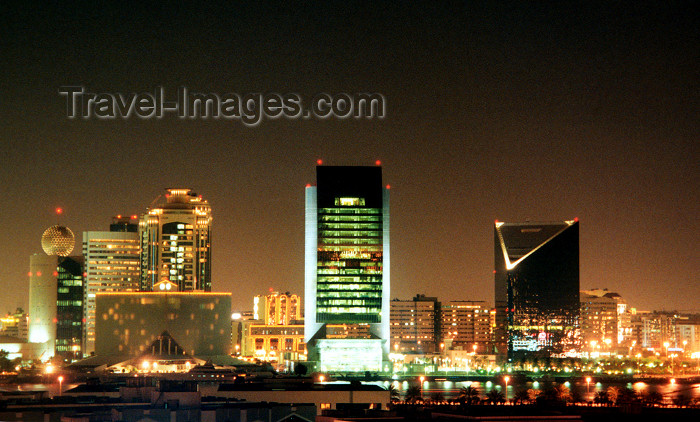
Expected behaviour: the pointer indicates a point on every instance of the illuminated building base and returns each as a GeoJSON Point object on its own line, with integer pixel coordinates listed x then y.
{"type": "Point", "coordinates": [350, 355]}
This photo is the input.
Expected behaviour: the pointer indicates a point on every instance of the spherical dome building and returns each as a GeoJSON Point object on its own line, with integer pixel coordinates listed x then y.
{"type": "Point", "coordinates": [58, 240]}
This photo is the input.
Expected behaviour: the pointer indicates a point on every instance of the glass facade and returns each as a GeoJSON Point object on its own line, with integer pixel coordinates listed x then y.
{"type": "Point", "coordinates": [127, 323]}
{"type": "Point", "coordinates": [347, 266]}
{"type": "Point", "coordinates": [354, 355]}
{"type": "Point", "coordinates": [537, 289]}
{"type": "Point", "coordinates": [69, 308]}
{"type": "Point", "coordinates": [349, 277]}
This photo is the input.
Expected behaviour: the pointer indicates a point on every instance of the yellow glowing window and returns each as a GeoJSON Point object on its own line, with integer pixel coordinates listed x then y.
{"type": "Point", "coordinates": [325, 406]}
{"type": "Point", "coordinates": [350, 202]}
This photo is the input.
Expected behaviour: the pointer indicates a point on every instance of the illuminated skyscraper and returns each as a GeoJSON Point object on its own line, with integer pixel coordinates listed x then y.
{"type": "Point", "coordinates": [56, 296]}
{"type": "Point", "coordinates": [112, 264]}
{"type": "Point", "coordinates": [347, 269]}
{"type": "Point", "coordinates": [537, 288]}
{"type": "Point", "coordinates": [175, 240]}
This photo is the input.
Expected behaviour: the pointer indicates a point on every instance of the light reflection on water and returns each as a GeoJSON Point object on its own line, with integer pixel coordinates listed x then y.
{"type": "Point", "coordinates": [450, 389]}
{"type": "Point", "coordinates": [52, 389]}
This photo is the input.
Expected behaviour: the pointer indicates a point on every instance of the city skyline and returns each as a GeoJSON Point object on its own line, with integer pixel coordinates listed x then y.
{"type": "Point", "coordinates": [512, 112]}
{"type": "Point", "coordinates": [400, 295]}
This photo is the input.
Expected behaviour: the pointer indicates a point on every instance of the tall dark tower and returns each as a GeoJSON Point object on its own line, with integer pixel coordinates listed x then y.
{"type": "Point", "coordinates": [537, 289]}
{"type": "Point", "coordinates": [347, 270]}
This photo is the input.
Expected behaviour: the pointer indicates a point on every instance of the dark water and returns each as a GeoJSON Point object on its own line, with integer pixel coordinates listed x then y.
{"type": "Point", "coordinates": [450, 389]}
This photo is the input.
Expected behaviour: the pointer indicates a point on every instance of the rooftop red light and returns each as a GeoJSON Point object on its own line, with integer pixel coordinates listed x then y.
{"type": "Point", "coordinates": [59, 210]}
{"type": "Point", "coordinates": [319, 162]}
{"type": "Point", "coordinates": [388, 186]}
{"type": "Point", "coordinates": [378, 162]}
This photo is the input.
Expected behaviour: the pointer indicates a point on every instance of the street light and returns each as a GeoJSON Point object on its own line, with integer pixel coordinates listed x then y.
{"type": "Point", "coordinates": [673, 355]}
{"type": "Point", "coordinates": [60, 384]}
{"type": "Point", "coordinates": [321, 378]}
{"type": "Point", "coordinates": [506, 379]}
{"type": "Point", "coordinates": [588, 385]}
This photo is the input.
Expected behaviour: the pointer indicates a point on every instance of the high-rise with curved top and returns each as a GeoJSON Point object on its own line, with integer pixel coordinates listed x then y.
{"type": "Point", "coordinates": [175, 236]}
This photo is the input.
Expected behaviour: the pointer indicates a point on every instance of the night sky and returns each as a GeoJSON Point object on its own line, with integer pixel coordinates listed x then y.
{"type": "Point", "coordinates": [540, 111]}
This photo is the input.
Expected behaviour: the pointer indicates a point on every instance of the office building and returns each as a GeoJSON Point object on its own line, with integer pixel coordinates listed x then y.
{"type": "Point", "coordinates": [127, 323]}
{"type": "Point", "coordinates": [415, 325]}
{"type": "Point", "coordinates": [15, 324]}
{"type": "Point", "coordinates": [603, 320]}
{"type": "Point", "coordinates": [466, 325]}
{"type": "Point", "coordinates": [175, 236]}
{"type": "Point", "coordinates": [274, 332]}
{"type": "Point", "coordinates": [688, 334]}
{"type": "Point", "coordinates": [277, 308]}
{"type": "Point", "coordinates": [537, 289]}
{"type": "Point", "coordinates": [112, 264]}
{"type": "Point", "coordinates": [347, 270]}
{"type": "Point", "coordinates": [56, 296]}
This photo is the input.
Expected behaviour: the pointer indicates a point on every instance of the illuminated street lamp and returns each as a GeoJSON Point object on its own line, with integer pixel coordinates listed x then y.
{"type": "Point", "coordinates": [49, 369]}
{"type": "Point", "coordinates": [673, 355]}
{"type": "Point", "coordinates": [60, 385]}
{"type": "Point", "coordinates": [321, 378]}
{"type": "Point", "coordinates": [588, 385]}
{"type": "Point", "coordinates": [506, 379]}
{"type": "Point", "coordinates": [666, 346]}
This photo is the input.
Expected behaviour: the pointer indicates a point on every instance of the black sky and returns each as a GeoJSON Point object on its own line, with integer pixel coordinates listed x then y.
{"type": "Point", "coordinates": [540, 111]}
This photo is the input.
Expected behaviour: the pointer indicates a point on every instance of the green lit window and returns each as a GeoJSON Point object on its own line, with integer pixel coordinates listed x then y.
{"type": "Point", "coordinates": [349, 267]}
{"type": "Point", "coordinates": [350, 202]}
